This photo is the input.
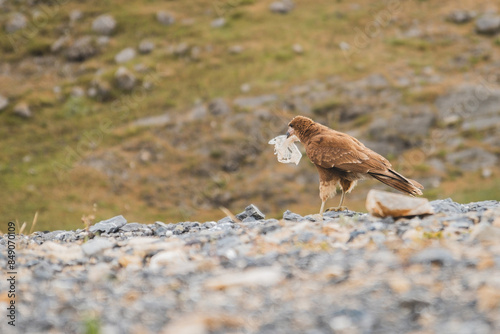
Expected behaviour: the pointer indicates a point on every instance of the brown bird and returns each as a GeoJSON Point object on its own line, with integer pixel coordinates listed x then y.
{"type": "Point", "coordinates": [343, 160]}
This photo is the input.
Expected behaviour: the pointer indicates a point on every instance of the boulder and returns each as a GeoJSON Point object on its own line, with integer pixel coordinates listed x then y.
{"type": "Point", "coordinates": [146, 47]}
{"type": "Point", "coordinates": [460, 16]}
{"type": "Point", "coordinates": [104, 24]}
{"type": "Point", "coordinates": [385, 204]}
{"type": "Point", "coordinates": [165, 18]}
{"type": "Point", "coordinates": [125, 55]}
{"type": "Point", "coordinates": [219, 107]}
{"type": "Point", "coordinates": [4, 102]}
{"type": "Point", "coordinates": [218, 22]}
{"type": "Point", "coordinates": [488, 25]}
{"type": "Point", "coordinates": [81, 49]}
{"type": "Point", "coordinates": [125, 80]}
{"type": "Point", "coordinates": [281, 7]}
{"type": "Point", "coordinates": [109, 226]}
{"type": "Point", "coordinates": [472, 159]}
{"type": "Point", "coordinates": [22, 110]}
{"type": "Point", "coordinates": [17, 21]}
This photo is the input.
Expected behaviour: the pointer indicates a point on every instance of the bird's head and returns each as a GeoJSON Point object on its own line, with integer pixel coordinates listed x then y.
{"type": "Point", "coordinates": [299, 127]}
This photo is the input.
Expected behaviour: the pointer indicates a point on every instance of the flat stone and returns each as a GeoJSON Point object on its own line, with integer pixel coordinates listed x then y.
{"type": "Point", "coordinates": [109, 226]}
{"type": "Point", "coordinates": [386, 204]}
{"type": "Point", "coordinates": [289, 215]}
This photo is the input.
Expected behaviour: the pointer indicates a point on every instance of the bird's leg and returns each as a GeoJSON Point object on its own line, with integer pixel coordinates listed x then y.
{"type": "Point", "coordinates": [340, 207]}
{"type": "Point", "coordinates": [322, 207]}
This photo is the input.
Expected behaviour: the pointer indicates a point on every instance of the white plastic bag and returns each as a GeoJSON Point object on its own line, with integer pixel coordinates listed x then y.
{"type": "Point", "coordinates": [286, 150]}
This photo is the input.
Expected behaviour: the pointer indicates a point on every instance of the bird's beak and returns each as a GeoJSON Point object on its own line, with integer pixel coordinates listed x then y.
{"type": "Point", "coordinates": [287, 134]}
{"type": "Point", "coordinates": [290, 132]}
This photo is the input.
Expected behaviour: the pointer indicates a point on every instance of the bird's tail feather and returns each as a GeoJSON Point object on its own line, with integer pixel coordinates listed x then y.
{"type": "Point", "coordinates": [399, 182]}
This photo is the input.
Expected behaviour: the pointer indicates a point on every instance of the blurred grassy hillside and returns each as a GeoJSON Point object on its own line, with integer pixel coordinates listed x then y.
{"type": "Point", "coordinates": [180, 128]}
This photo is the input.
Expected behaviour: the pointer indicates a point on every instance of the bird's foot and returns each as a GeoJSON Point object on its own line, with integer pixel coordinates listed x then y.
{"type": "Point", "coordinates": [337, 208]}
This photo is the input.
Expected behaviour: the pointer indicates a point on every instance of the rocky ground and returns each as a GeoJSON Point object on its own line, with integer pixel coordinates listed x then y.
{"type": "Point", "coordinates": [347, 272]}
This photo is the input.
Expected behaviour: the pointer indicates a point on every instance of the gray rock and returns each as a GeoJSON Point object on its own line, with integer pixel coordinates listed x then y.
{"type": "Point", "coordinates": [22, 109]}
{"type": "Point", "coordinates": [281, 7]}
{"type": "Point", "coordinates": [16, 21]}
{"type": "Point", "coordinates": [218, 22]}
{"type": "Point", "coordinates": [376, 81]}
{"type": "Point", "coordinates": [4, 102]}
{"type": "Point", "coordinates": [481, 124]}
{"type": "Point", "coordinates": [469, 101]}
{"type": "Point", "coordinates": [104, 24]}
{"type": "Point", "coordinates": [125, 80]}
{"type": "Point", "coordinates": [440, 256]}
{"type": "Point", "coordinates": [133, 227]}
{"type": "Point", "coordinates": [488, 24]}
{"type": "Point", "coordinates": [198, 112]}
{"type": "Point", "coordinates": [217, 107]}
{"type": "Point", "coordinates": [96, 246]}
{"type": "Point", "coordinates": [472, 159]}
{"type": "Point", "coordinates": [289, 215]}
{"type": "Point", "coordinates": [102, 41]}
{"type": "Point", "coordinates": [165, 18]}
{"type": "Point", "coordinates": [254, 102]}
{"type": "Point", "coordinates": [447, 206]}
{"type": "Point", "coordinates": [146, 47]}
{"type": "Point", "coordinates": [235, 49]}
{"type": "Point", "coordinates": [125, 55]}
{"type": "Point", "coordinates": [81, 49]}
{"type": "Point", "coordinates": [251, 211]}
{"type": "Point", "coordinates": [109, 226]}
{"type": "Point", "coordinates": [460, 16]}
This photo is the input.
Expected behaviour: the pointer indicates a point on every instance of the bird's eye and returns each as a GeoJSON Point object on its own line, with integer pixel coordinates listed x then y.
{"type": "Point", "coordinates": [290, 125]}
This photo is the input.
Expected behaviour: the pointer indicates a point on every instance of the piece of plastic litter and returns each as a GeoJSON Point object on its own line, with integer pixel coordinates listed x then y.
{"type": "Point", "coordinates": [286, 150]}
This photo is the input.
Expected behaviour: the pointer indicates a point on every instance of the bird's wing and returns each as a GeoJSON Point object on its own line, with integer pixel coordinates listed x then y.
{"type": "Point", "coordinates": [339, 150]}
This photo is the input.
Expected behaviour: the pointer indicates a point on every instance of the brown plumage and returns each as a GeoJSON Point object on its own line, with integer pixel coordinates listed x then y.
{"type": "Point", "coordinates": [343, 160]}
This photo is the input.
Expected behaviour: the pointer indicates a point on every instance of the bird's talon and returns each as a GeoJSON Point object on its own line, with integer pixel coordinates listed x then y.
{"type": "Point", "coordinates": [337, 208]}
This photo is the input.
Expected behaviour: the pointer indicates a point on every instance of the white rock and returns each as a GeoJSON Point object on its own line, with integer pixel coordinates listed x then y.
{"type": "Point", "coordinates": [125, 80]}
{"type": "Point", "coordinates": [385, 204]}
{"type": "Point", "coordinates": [104, 25]}
{"type": "Point", "coordinates": [146, 47]}
{"type": "Point", "coordinates": [16, 22]}
{"type": "Point", "coordinates": [218, 23]}
{"type": "Point", "coordinates": [23, 110]}
{"type": "Point", "coordinates": [125, 55]}
{"type": "Point", "coordinates": [4, 102]}
{"type": "Point", "coordinates": [165, 18]}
